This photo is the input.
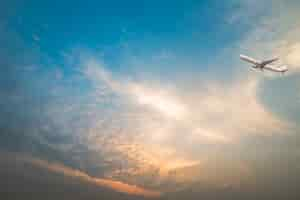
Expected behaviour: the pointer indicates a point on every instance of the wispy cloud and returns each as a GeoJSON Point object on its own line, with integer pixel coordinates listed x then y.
{"type": "Point", "coordinates": [158, 99]}
{"type": "Point", "coordinates": [164, 126]}
{"type": "Point", "coordinates": [82, 176]}
{"type": "Point", "coordinates": [206, 107]}
{"type": "Point", "coordinates": [144, 132]}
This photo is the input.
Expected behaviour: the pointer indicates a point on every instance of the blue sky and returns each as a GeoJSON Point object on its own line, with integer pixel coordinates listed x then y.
{"type": "Point", "coordinates": [152, 94]}
{"type": "Point", "coordinates": [199, 28]}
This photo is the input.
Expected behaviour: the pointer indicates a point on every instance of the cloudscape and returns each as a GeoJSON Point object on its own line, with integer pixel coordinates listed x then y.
{"type": "Point", "coordinates": [149, 100]}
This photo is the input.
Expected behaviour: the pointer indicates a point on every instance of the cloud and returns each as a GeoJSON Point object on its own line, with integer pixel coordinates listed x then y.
{"type": "Point", "coordinates": [143, 130]}
{"type": "Point", "coordinates": [290, 52]}
{"type": "Point", "coordinates": [220, 111]}
{"type": "Point", "coordinates": [293, 55]}
{"type": "Point", "coordinates": [67, 171]}
{"type": "Point", "coordinates": [148, 133]}
{"type": "Point", "coordinates": [158, 99]}
{"type": "Point", "coordinates": [235, 111]}
{"type": "Point", "coordinates": [160, 129]}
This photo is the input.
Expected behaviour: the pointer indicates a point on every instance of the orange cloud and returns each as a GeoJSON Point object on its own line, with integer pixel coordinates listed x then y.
{"type": "Point", "coordinates": [112, 184]}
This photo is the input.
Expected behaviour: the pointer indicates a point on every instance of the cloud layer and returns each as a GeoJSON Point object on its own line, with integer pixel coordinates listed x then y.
{"type": "Point", "coordinates": [159, 129]}
{"type": "Point", "coordinates": [81, 176]}
{"type": "Point", "coordinates": [128, 131]}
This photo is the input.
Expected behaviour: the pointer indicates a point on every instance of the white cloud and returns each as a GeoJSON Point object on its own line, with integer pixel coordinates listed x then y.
{"type": "Point", "coordinates": [157, 129]}
{"type": "Point", "coordinates": [160, 128]}
{"type": "Point", "coordinates": [224, 112]}
{"type": "Point", "coordinates": [290, 53]}
{"type": "Point", "coordinates": [158, 99]}
{"type": "Point", "coordinates": [293, 55]}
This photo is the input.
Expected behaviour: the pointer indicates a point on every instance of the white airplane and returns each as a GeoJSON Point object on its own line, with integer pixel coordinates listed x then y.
{"type": "Point", "coordinates": [257, 64]}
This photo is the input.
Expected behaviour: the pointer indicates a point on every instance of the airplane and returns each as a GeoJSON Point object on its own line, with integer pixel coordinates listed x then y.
{"type": "Point", "coordinates": [257, 64]}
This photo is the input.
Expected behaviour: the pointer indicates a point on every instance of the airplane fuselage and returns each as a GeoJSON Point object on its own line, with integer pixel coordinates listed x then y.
{"type": "Point", "coordinates": [257, 64]}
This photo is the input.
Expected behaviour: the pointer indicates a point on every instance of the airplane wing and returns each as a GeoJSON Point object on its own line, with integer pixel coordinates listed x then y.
{"type": "Point", "coordinates": [276, 69]}
{"type": "Point", "coordinates": [250, 60]}
{"type": "Point", "coordinates": [266, 62]}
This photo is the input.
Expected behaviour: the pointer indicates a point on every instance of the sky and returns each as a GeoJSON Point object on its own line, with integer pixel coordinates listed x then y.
{"type": "Point", "coordinates": [148, 100]}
